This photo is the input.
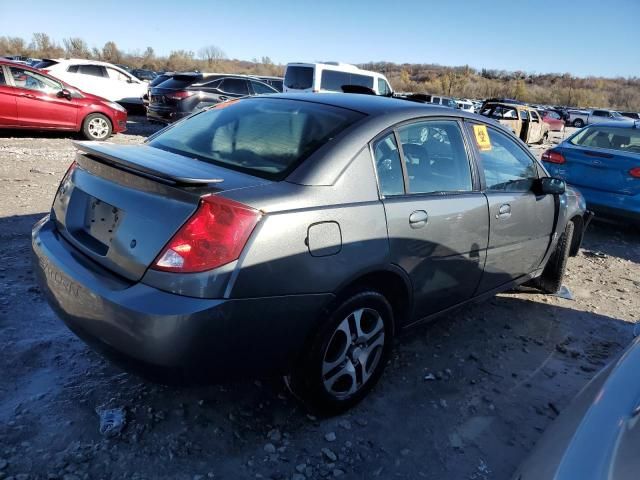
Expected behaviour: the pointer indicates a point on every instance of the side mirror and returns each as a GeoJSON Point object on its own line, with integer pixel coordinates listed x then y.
{"type": "Point", "coordinates": [64, 93]}
{"type": "Point", "coordinates": [552, 186]}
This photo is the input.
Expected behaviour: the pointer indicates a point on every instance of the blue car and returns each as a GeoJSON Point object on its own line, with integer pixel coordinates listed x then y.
{"type": "Point", "coordinates": [603, 161]}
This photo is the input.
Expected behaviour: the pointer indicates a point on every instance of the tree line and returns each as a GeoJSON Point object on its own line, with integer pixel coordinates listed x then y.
{"type": "Point", "coordinates": [463, 82]}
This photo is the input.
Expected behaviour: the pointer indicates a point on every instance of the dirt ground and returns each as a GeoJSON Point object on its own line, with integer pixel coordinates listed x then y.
{"type": "Point", "coordinates": [465, 397]}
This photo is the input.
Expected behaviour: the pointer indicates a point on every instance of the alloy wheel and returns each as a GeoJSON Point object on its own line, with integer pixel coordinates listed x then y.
{"type": "Point", "coordinates": [353, 353]}
{"type": "Point", "coordinates": [98, 127]}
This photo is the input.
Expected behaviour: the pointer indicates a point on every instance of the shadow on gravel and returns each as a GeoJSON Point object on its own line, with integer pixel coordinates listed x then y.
{"type": "Point", "coordinates": [139, 125]}
{"type": "Point", "coordinates": [38, 134]}
{"type": "Point", "coordinates": [614, 239]}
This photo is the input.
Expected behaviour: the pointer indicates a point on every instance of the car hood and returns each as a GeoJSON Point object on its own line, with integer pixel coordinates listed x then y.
{"type": "Point", "coordinates": [596, 437]}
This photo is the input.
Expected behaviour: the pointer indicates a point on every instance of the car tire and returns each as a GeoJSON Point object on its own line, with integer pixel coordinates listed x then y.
{"type": "Point", "coordinates": [551, 279]}
{"type": "Point", "coordinates": [96, 127]}
{"type": "Point", "coordinates": [347, 356]}
{"type": "Point", "coordinates": [578, 123]}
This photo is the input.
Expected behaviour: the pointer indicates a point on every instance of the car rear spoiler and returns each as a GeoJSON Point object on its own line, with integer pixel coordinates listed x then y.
{"type": "Point", "coordinates": [146, 161]}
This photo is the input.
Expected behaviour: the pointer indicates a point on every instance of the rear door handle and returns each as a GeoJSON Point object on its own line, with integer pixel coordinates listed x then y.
{"type": "Point", "coordinates": [418, 219]}
{"type": "Point", "coordinates": [504, 211]}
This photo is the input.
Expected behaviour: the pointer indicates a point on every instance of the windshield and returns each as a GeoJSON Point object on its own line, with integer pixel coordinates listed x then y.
{"type": "Point", "coordinates": [614, 138]}
{"type": "Point", "coordinates": [299, 78]}
{"type": "Point", "coordinates": [260, 136]}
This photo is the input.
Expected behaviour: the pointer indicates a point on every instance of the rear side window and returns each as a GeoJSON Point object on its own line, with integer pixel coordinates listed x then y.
{"type": "Point", "coordinates": [507, 168]}
{"type": "Point", "coordinates": [435, 157]}
{"type": "Point", "coordinates": [260, 136]}
{"type": "Point", "coordinates": [93, 70]}
{"type": "Point", "coordinates": [623, 139]}
{"type": "Point", "coordinates": [45, 64]}
{"type": "Point", "coordinates": [2, 80]}
{"type": "Point", "coordinates": [299, 78]}
{"type": "Point", "coordinates": [333, 80]}
{"type": "Point", "coordinates": [388, 166]}
{"type": "Point", "coordinates": [180, 81]}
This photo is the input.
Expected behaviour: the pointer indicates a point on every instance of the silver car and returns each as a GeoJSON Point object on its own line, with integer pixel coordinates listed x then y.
{"type": "Point", "coordinates": [298, 234]}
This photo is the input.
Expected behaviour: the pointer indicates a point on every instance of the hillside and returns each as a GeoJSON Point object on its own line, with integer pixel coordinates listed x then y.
{"type": "Point", "coordinates": [557, 89]}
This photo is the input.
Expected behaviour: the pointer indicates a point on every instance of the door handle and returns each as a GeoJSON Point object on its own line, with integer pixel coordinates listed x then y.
{"type": "Point", "coordinates": [28, 95]}
{"type": "Point", "coordinates": [418, 219]}
{"type": "Point", "coordinates": [222, 98]}
{"type": "Point", "coordinates": [504, 211]}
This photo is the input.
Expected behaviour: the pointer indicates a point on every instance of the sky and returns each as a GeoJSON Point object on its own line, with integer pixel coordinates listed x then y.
{"type": "Point", "coordinates": [581, 37]}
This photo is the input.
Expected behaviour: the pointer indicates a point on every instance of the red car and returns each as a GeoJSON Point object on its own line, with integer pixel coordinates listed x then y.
{"type": "Point", "coordinates": [553, 119]}
{"type": "Point", "coordinates": [31, 99]}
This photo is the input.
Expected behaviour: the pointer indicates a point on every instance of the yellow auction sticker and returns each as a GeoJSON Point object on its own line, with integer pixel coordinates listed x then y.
{"type": "Point", "coordinates": [482, 137]}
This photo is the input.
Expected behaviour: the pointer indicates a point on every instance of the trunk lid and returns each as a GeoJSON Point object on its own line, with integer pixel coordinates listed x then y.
{"type": "Point", "coordinates": [123, 203]}
{"type": "Point", "coordinates": [601, 169]}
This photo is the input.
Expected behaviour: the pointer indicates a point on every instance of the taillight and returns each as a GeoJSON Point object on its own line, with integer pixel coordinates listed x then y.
{"type": "Point", "coordinates": [180, 94]}
{"type": "Point", "coordinates": [553, 156]}
{"type": "Point", "coordinates": [214, 236]}
{"type": "Point", "coordinates": [635, 172]}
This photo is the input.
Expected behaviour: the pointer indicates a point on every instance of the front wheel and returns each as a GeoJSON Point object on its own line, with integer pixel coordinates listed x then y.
{"type": "Point", "coordinates": [347, 356]}
{"type": "Point", "coordinates": [551, 279]}
{"type": "Point", "coordinates": [96, 127]}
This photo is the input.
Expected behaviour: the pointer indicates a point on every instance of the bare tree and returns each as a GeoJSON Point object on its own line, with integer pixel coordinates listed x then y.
{"type": "Point", "coordinates": [110, 53]}
{"type": "Point", "coordinates": [212, 55]}
{"type": "Point", "coordinates": [76, 47]}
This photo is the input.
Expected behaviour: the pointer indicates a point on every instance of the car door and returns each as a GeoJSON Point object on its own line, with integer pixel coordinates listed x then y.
{"type": "Point", "coordinates": [535, 127]}
{"type": "Point", "coordinates": [233, 88]}
{"type": "Point", "coordinates": [437, 218]}
{"type": "Point", "coordinates": [93, 79]}
{"type": "Point", "coordinates": [520, 222]}
{"type": "Point", "coordinates": [38, 103]}
{"type": "Point", "coordinates": [126, 87]}
{"type": "Point", "coordinates": [8, 100]}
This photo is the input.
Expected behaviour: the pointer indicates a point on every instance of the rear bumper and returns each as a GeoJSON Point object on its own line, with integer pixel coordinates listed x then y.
{"type": "Point", "coordinates": [614, 205]}
{"type": "Point", "coordinates": [225, 337]}
{"type": "Point", "coordinates": [164, 115]}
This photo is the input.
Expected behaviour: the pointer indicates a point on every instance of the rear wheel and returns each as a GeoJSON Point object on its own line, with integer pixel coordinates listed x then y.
{"type": "Point", "coordinates": [96, 127]}
{"type": "Point", "coordinates": [348, 355]}
{"type": "Point", "coordinates": [578, 123]}
{"type": "Point", "coordinates": [551, 279]}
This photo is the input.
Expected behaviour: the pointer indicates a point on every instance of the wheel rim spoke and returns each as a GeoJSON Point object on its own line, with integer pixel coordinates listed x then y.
{"type": "Point", "coordinates": [344, 372]}
{"type": "Point", "coordinates": [343, 328]}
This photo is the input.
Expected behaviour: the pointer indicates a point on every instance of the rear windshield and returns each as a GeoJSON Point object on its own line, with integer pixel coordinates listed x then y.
{"type": "Point", "coordinates": [614, 138]}
{"type": "Point", "coordinates": [299, 78]}
{"type": "Point", "coordinates": [334, 81]}
{"type": "Point", "coordinates": [179, 81]}
{"type": "Point", "coordinates": [45, 64]}
{"type": "Point", "coordinates": [263, 137]}
{"type": "Point", "coordinates": [159, 79]}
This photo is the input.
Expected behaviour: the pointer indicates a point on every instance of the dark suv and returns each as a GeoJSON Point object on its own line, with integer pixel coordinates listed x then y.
{"type": "Point", "coordinates": [183, 94]}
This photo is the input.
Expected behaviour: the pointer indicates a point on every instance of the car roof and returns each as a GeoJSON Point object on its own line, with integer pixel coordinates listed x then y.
{"type": "Point", "coordinates": [85, 61]}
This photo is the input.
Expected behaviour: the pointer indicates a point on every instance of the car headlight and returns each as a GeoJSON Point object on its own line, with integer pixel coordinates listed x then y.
{"type": "Point", "coordinates": [115, 106]}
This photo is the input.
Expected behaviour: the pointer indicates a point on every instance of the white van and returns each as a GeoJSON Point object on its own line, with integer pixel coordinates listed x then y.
{"type": "Point", "coordinates": [330, 77]}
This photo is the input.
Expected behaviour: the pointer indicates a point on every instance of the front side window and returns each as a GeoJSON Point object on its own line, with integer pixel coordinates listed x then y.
{"type": "Point", "coordinates": [117, 75]}
{"type": "Point", "coordinates": [524, 115]}
{"type": "Point", "coordinates": [507, 168]}
{"type": "Point", "coordinates": [388, 166]}
{"type": "Point", "coordinates": [623, 139]}
{"type": "Point", "coordinates": [435, 157]}
{"type": "Point", "coordinates": [299, 78]}
{"type": "Point", "coordinates": [383, 87]}
{"type": "Point", "coordinates": [534, 117]}
{"type": "Point", "coordinates": [261, 136]}
{"type": "Point", "coordinates": [235, 86]}
{"type": "Point", "coordinates": [260, 88]}
{"type": "Point", "coordinates": [34, 81]}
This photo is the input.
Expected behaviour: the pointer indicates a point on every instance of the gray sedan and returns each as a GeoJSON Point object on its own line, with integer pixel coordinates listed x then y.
{"type": "Point", "coordinates": [298, 234]}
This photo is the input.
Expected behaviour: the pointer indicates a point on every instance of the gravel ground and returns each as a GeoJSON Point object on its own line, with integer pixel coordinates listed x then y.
{"type": "Point", "coordinates": [465, 397]}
